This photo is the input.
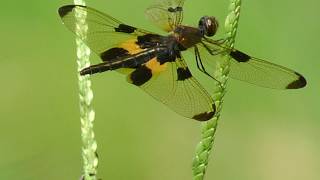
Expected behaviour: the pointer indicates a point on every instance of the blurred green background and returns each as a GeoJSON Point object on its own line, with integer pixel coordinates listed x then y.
{"type": "Point", "coordinates": [263, 134]}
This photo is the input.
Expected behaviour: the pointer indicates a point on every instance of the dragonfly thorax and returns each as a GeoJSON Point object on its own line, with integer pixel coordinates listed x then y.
{"type": "Point", "coordinates": [187, 36]}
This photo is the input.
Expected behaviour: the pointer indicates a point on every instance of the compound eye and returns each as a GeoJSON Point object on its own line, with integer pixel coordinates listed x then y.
{"type": "Point", "coordinates": [208, 25]}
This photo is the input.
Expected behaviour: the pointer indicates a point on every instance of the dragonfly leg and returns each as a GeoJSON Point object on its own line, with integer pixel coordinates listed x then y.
{"type": "Point", "coordinates": [201, 67]}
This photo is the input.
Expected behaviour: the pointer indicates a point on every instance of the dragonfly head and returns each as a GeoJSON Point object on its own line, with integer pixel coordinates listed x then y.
{"type": "Point", "coordinates": [208, 25]}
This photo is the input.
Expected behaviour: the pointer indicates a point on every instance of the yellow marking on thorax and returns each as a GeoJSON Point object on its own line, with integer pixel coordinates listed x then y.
{"type": "Point", "coordinates": [155, 66]}
{"type": "Point", "coordinates": [131, 46]}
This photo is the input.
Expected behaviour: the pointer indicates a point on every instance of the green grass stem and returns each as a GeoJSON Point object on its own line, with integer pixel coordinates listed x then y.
{"type": "Point", "coordinates": [209, 128]}
{"type": "Point", "coordinates": [87, 114]}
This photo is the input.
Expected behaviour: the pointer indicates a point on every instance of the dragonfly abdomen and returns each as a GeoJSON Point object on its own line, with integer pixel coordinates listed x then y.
{"type": "Point", "coordinates": [121, 62]}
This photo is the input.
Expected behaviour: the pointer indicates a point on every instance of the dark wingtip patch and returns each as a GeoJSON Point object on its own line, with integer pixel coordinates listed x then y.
{"type": "Point", "coordinates": [239, 56]}
{"type": "Point", "coordinates": [64, 10]}
{"type": "Point", "coordinates": [140, 76]}
{"type": "Point", "coordinates": [183, 74]}
{"type": "Point", "coordinates": [299, 83]}
{"type": "Point", "coordinates": [206, 115]}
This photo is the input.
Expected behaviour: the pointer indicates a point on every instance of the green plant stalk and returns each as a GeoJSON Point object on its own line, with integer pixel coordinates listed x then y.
{"type": "Point", "coordinates": [209, 128]}
{"type": "Point", "coordinates": [87, 114]}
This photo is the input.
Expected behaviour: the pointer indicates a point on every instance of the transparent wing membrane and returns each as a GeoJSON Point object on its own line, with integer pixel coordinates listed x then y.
{"type": "Point", "coordinates": [166, 14]}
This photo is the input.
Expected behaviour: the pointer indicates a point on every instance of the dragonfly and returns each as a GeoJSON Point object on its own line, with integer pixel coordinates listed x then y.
{"type": "Point", "coordinates": [155, 63]}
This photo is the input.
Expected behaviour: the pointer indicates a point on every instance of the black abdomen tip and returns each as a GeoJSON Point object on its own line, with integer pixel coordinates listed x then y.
{"type": "Point", "coordinates": [86, 71]}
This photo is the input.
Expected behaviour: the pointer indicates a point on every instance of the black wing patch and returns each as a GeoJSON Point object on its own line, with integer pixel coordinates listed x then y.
{"type": "Point", "coordinates": [183, 73]}
{"type": "Point", "coordinates": [239, 56]}
{"type": "Point", "coordinates": [125, 28]}
{"type": "Point", "coordinates": [63, 11]}
{"type": "Point", "coordinates": [140, 75]}
{"type": "Point", "coordinates": [299, 83]}
{"type": "Point", "coordinates": [114, 53]}
{"type": "Point", "coordinates": [249, 69]}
